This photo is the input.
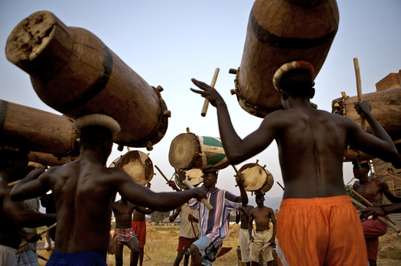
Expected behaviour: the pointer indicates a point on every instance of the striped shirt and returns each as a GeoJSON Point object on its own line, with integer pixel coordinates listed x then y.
{"type": "Point", "coordinates": [214, 223]}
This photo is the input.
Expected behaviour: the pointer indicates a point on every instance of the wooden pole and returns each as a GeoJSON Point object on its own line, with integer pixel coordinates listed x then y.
{"type": "Point", "coordinates": [212, 84]}
{"type": "Point", "coordinates": [368, 203]}
{"type": "Point", "coordinates": [382, 219]}
{"type": "Point", "coordinates": [358, 85]}
{"type": "Point", "coordinates": [204, 201]}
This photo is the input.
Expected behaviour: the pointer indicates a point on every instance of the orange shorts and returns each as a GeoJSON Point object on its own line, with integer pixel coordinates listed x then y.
{"type": "Point", "coordinates": [320, 231]}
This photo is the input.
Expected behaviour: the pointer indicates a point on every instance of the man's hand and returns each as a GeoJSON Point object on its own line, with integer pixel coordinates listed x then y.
{"type": "Point", "coordinates": [363, 109]}
{"type": "Point", "coordinates": [251, 238]}
{"type": "Point", "coordinates": [173, 185]}
{"type": "Point", "coordinates": [208, 92]}
{"type": "Point", "coordinates": [200, 192]}
{"type": "Point", "coordinates": [31, 238]}
{"type": "Point", "coordinates": [171, 218]}
{"type": "Point", "coordinates": [373, 211]}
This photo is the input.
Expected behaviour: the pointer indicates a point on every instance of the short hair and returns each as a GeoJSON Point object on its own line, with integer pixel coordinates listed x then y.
{"type": "Point", "coordinates": [297, 83]}
{"type": "Point", "coordinates": [95, 136]}
{"type": "Point", "coordinates": [360, 164]}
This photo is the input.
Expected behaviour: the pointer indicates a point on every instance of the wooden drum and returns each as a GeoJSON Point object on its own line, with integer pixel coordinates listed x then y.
{"type": "Point", "coordinates": [36, 130]}
{"type": "Point", "coordinates": [280, 31]}
{"type": "Point", "coordinates": [255, 177]}
{"type": "Point", "coordinates": [74, 72]}
{"type": "Point", "coordinates": [386, 109]}
{"type": "Point", "coordinates": [136, 164]}
{"type": "Point", "coordinates": [193, 176]}
{"type": "Point", "coordinates": [188, 151]}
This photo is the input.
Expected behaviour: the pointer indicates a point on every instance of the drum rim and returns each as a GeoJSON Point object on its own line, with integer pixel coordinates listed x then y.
{"type": "Point", "coordinates": [266, 185]}
{"type": "Point", "coordinates": [149, 171]}
{"type": "Point", "coordinates": [195, 156]}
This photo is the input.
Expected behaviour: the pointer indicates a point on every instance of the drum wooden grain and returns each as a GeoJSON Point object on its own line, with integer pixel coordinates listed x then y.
{"type": "Point", "coordinates": [77, 74]}
{"type": "Point", "coordinates": [37, 130]}
{"type": "Point", "coordinates": [280, 31]}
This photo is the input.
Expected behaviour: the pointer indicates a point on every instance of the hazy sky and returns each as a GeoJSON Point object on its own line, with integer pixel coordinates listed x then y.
{"type": "Point", "coordinates": [169, 42]}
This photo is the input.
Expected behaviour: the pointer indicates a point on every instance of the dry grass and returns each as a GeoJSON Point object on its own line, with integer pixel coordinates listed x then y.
{"type": "Point", "coordinates": [161, 245]}
{"type": "Point", "coordinates": [160, 248]}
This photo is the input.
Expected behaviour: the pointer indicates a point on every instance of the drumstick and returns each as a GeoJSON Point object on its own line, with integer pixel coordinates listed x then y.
{"type": "Point", "coordinates": [278, 183]}
{"type": "Point", "coordinates": [204, 201]}
{"type": "Point", "coordinates": [368, 203]}
{"type": "Point", "coordinates": [360, 205]}
{"type": "Point", "coordinates": [212, 84]}
{"type": "Point", "coordinates": [11, 184]}
{"type": "Point", "coordinates": [41, 233]}
{"type": "Point", "coordinates": [162, 174]}
{"type": "Point", "coordinates": [358, 85]}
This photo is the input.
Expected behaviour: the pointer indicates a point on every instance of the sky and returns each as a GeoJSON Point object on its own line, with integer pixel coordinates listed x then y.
{"type": "Point", "coordinates": [169, 42]}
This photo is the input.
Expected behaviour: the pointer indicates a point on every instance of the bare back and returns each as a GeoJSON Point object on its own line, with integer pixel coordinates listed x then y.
{"type": "Point", "coordinates": [83, 201]}
{"type": "Point", "coordinates": [311, 147]}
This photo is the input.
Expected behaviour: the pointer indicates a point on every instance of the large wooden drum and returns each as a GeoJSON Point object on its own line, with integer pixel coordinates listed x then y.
{"type": "Point", "coordinates": [386, 109]}
{"type": "Point", "coordinates": [137, 165]}
{"type": "Point", "coordinates": [192, 176]}
{"type": "Point", "coordinates": [280, 31]}
{"type": "Point", "coordinates": [74, 72]}
{"type": "Point", "coordinates": [255, 177]}
{"type": "Point", "coordinates": [49, 159]}
{"type": "Point", "coordinates": [188, 151]}
{"type": "Point", "coordinates": [36, 130]}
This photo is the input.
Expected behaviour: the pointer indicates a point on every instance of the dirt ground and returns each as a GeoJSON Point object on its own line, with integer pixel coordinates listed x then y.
{"type": "Point", "coordinates": [160, 248]}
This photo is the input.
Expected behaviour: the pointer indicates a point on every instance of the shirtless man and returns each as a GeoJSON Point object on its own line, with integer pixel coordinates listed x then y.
{"type": "Point", "coordinates": [13, 215]}
{"type": "Point", "coordinates": [372, 189]}
{"type": "Point", "coordinates": [122, 211]}
{"type": "Point", "coordinates": [85, 190]}
{"type": "Point", "coordinates": [139, 228]}
{"type": "Point", "coordinates": [242, 217]}
{"type": "Point", "coordinates": [311, 145]}
{"type": "Point", "coordinates": [263, 238]}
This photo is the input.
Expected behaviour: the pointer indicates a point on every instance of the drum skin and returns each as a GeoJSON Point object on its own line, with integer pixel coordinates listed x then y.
{"type": "Point", "coordinates": [188, 151]}
{"type": "Point", "coordinates": [255, 177]}
{"type": "Point", "coordinates": [36, 130]}
{"type": "Point", "coordinates": [137, 165]}
{"type": "Point", "coordinates": [75, 73]}
{"type": "Point", "coordinates": [280, 31]}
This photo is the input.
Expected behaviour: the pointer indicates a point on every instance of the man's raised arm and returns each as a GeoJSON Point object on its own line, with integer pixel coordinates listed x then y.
{"type": "Point", "coordinates": [236, 149]}
{"type": "Point", "coordinates": [379, 145]}
{"type": "Point", "coordinates": [161, 201]}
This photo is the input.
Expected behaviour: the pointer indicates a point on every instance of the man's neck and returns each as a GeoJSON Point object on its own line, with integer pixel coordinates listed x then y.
{"type": "Point", "coordinates": [93, 156]}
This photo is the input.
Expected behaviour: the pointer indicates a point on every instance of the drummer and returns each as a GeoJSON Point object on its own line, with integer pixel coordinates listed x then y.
{"type": "Point", "coordinates": [13, 215]}
{"type": "Point", "coordinates": [263, 237]}
{"type": "Point", "coordinates": [311, 145]}
{"type": "Point", "coordinates": [122, 211]}
{"type": "Point", "coordinates": [84, 191]}
{"type": "Point", "coordinates": [213, 223]}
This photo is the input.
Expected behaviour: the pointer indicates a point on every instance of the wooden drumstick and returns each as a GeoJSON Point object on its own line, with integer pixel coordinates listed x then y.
{"type": "Point", "coordinates": [358, 85]}
{"type": "Point", "coordinates": [212, 84]}
{"type": "Point", "coordinates": [204, 201]}
{"type": "Point", "coordinates": [382, 219]}
{"type": "Point", "coordinates": [41, 233]}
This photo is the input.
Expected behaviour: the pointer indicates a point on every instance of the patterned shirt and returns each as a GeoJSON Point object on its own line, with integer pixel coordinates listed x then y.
{"type": "Point", "coordinates": [214, 223]}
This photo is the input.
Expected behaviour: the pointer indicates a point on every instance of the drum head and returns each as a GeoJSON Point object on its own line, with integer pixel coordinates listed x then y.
{"type": "Point", "coordinates": [193, 176]}
{"type": "Point", "coordinates": [137, 165]}
{"type": "Point", "coordinates": [255, 177]}
{"type": "Point", "coordinates": [184, 150]}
